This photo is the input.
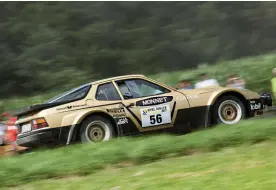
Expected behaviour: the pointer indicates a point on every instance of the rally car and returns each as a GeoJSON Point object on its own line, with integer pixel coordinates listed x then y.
{"type": "Point", "coordinates": [132, 105]}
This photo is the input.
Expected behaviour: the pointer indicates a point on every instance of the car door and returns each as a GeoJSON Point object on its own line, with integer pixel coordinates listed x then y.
{"type": "Point", "coordinates": [149, 105]}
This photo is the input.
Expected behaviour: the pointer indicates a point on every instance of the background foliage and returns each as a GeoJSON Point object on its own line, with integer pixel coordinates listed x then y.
{"type": "Point", "coordinates": [51, 46]}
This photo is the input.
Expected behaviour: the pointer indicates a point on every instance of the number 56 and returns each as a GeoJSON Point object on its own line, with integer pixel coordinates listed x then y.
{"type": "Point", "coordinates": [155, 119]}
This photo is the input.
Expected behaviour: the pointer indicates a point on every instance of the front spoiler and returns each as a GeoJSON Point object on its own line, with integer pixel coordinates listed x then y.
{"type": "Point", "coordinates": [266, 99]}
{"type": "Point", "coordinates": [257, 106]}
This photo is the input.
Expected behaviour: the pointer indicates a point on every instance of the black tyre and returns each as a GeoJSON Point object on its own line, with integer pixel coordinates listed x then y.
{"type": "Point", "coordinates": [228, 110]}
{"type": "Point", "coordinates": [96, 129]}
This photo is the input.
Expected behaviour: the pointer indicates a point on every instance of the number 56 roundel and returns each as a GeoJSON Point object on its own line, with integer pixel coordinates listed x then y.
{"type": "Point", "coordinates": [155, 115]}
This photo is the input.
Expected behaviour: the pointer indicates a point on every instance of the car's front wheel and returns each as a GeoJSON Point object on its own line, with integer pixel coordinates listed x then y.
{"type": "Point", "coordinates": [96, 129]}
{"type": "Point", "coordinates": [228, 110]}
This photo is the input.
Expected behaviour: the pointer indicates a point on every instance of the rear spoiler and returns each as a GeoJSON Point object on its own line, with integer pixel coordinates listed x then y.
{"type": "Point", "coordinates": [36, 108]}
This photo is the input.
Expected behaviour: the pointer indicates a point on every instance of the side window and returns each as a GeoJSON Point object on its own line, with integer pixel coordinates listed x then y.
{"type": "Point", "coordinates": [137, 88]}
{"type": "Point", "coordinates": [107, 92]}
{"type": "Point", "coordinates": [73, 95]}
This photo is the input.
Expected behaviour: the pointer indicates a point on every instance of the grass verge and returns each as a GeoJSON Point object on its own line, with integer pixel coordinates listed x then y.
{"type": "Point", "coordinates": [86, 159]}
{"type": "Point", "coordinates": [244, 167]}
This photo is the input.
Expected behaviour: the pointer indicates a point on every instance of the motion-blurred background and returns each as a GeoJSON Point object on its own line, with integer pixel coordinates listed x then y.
{"type": "Point", "coordinates": [48, 47]}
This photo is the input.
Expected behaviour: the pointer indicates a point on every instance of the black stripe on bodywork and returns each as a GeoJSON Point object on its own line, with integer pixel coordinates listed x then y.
{"type": "Point", "coordinates": [94, 107]}
{"type": "Point", "coordinates": [173, 109]}
{"type": "Point", "coordinates": [136, 118]}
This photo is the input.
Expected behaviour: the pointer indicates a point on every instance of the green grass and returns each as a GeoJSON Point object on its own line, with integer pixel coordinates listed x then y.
{"type": "Point", "coordinates": [244, 167]}
{"type": "Point", "coordinates": [86, 159]}
{"type": "Point", "coordinates": [255, 70]}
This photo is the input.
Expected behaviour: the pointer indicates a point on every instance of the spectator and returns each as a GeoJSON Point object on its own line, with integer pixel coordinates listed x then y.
{"type": "Point", "coordinates": [235, 82]}
{"type": "Point", "coordinates": [273, 82]}
{"type": "Point", "coordinates": [2, 133]}
{"type": "Point", "coordinates": [10, 134]}
{"type": "Point", "coordinates": [206, 82]}
{"type": "Point", "coordinates": [185, 84]}
{"type": "Point", "coordinates": [2, 128]}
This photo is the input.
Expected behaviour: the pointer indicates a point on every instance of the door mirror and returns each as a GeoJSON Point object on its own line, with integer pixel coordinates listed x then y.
{"type": "Point", "coordinates": [130, 105]}
{"type": "Point", "coordinates": [127, 95]}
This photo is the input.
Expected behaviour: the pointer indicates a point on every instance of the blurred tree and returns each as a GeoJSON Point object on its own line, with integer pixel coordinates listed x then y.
{"type": "Point", "coordinates": [55, 45]}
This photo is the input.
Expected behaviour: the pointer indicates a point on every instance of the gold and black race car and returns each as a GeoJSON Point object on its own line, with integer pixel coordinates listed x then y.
{"type": "Point", "coordinates": [132, 105]}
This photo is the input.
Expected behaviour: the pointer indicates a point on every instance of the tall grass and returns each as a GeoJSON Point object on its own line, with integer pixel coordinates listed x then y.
{"type": "Point", "coordinates": [88, 158]}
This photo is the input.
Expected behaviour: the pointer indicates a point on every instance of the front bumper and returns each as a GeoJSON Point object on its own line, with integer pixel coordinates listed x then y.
{"type": "Point", "coordinates": [257, 106]}
{"type": "Point", "coordinates": [266, 99]}
{"type": "Point", "coordinates": [43, 137]}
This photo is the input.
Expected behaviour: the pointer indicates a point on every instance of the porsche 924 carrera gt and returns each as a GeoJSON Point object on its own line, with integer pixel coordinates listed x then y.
{"type": "Point", "coordinates": [132, 105]}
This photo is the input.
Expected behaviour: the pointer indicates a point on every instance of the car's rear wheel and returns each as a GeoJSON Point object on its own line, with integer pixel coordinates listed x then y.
{"type": "Point", "coordinates": [96, 129]}
{"type": "Point", "coordinates": [228, 110]}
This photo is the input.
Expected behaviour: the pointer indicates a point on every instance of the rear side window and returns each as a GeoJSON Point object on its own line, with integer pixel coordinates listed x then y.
{"type": "Point", "coordinates": [107, 92]}
{"type": "Point", "coordinates": [73, 95]}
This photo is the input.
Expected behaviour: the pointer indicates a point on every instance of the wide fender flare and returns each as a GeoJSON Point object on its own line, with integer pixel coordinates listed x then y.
{"type": "Point", "coordinates": [213, 98]}
{"type": "Point", "coordinates": [80, 117]}
{"type": "Point", "coordinates": [216, 94]}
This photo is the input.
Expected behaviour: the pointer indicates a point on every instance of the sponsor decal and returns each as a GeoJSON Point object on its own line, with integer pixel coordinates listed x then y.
{"type": "Point", "coordinates": [192, 96]}
{"type": "Point", "coordinates": [117, 112]}
{"type": "Point", "coordinates": [154, 101]}
{"type": "Point", "coordinates": [71, 107]}
{"type": "Point", "coordinates": [156, 115]}
{"type": "Point", "coordinates": [255, 106]}
{"type": "Point", "coordinates": [122, 121]}
{"type": "Point", "coordinates": [155, 110]}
